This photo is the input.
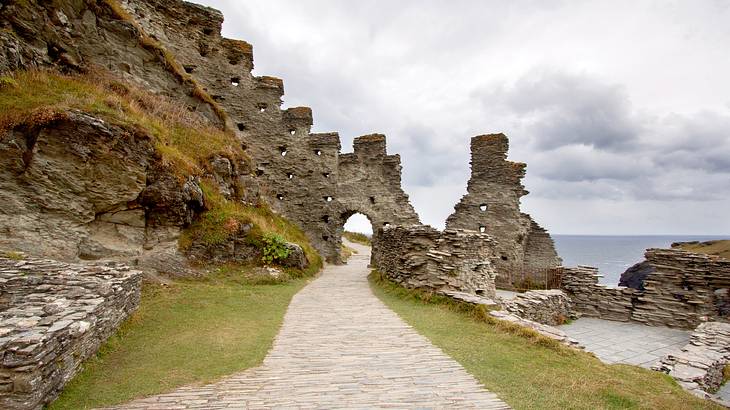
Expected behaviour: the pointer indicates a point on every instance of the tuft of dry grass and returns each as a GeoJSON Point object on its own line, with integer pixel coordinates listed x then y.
{"type": "Point", "coordinates": [183, 138]}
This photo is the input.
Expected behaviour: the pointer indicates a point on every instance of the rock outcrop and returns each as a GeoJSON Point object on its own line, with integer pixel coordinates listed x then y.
{"type": "Point", "coordinates": [635, 275]}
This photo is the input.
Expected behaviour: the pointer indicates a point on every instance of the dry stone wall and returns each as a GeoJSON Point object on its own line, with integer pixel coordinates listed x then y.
{"type": "Point", "coordinates": [698, 366]}
{"type": "Point", "coordinates": [492, 205]}
{"type": "Point", "coordinates": [550, 307]}
{"type": "Point", "coordinates": [421, 257]}
{"type": "Point", "coordinates": [683, 290]}
{"type": "Point", "coordinates": [53, 316]}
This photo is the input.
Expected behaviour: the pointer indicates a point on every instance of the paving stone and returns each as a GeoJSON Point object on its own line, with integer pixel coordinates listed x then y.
{"type": "Point", "coordinates": [341, 347]}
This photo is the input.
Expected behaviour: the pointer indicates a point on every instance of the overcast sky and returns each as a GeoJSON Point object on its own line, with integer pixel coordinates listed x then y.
{"type": "Point", "coordinates": [621, 109]}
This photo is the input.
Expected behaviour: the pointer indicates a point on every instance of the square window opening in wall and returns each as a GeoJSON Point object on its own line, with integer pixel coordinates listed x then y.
{"type": "Point", "coordinates": [317, 152]}
{"type": "Point", "coordinates": [328, 199]}
{"type": "Point", "coordinates": [207, 31]}
{"type": "Point", "coordinates": [504, 258]}
{"type": "Point", "coordinates": [241, 126]}
{"type": "Point", "coordinates": [292, 131]}
{"type": "Point", "coordinates": [372, 199]}
{"type": "Point", "coordinates": [259, 172]}
{"type": "Point", "coordinates": [282, 151]}
{"type": "Point", "coordinates": [483, 207]}
{"type": "Point", "coordinates": [325, 218]}
{"type": "Point", "coordinates": [326, 237]}
{"type": "Point", "coordinates": [189, 68]}
{"type": "Point", "coordinates": [262, 107]}
{"type": "Point", "coordinates": [289, 175]}
{"type": "Point", "coordinates": [244, 146]}
{"type": "Point", "coordinates": [280, 197]}
{"type": "Point", "coordinates": [326, 174]}
{"type": "Point", "coordinates": [386, 224]}
{"type": "Point", "coordinates": [482, 228]}
{"type": "Point", "coordinates": [235, 81]}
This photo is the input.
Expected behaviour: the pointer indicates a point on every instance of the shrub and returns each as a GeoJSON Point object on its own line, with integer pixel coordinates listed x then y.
{"type": "Point", "coordinates": [275, 249]}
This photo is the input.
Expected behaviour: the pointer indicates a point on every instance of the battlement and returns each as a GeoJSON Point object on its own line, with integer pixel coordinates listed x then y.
{"type": "Point", "coordinates": [370, 146]}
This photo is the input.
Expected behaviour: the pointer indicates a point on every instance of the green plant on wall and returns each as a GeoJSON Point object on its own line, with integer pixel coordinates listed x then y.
{"type": "Point", "coordinates": [275, 249]}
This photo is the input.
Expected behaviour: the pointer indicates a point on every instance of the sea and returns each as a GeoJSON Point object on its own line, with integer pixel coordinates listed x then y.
{"type": "Point", "coordinates": [612, 255]}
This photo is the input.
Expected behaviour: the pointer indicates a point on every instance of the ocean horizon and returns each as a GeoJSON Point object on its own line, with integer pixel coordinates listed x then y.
{"type": "Point", "coordinates": [613, 254]}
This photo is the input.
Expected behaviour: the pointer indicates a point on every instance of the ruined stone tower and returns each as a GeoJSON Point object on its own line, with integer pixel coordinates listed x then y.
{"type": "Point", "coordinates": [492, 205]}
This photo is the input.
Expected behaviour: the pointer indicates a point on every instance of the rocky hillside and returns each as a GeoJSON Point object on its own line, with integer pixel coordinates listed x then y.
{"type": "Point", "coordinates": [109, 149]}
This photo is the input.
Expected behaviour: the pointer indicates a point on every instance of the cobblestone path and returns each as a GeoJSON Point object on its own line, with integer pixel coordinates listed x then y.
{"type": "Point", "coordinates": [340, 347]}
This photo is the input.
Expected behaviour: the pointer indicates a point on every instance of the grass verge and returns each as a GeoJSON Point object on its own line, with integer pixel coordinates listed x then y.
{"type": "Point", "coordinates": [526, 373]}
{"type": "Point", "coordinates": [188, 332]}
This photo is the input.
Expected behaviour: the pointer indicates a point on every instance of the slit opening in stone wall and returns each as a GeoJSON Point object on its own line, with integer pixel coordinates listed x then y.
{"type": "Point", "coordinates": [289, 175]}
{"type": "Point", "coordinates": [241, 126]}
{"type": "Point", "coordinates": [261, 106]}
{"type": "Point", "coordinates": [483, 207]}
{"type": "Point", "coordinates": [280, 197]}
{"type": "Point", "coordinates": [326, 174]}
{"type": "Point", "coordinates": [328, 199]}
{"type": "Point", "coordinates": [482, 228]}
{"type": "Point", "coordinates": [292, 131]}
{"type": "Point", "coordinates": [317, 152]}
{"type": "Point", "coordinates": [372, 199]}
{"type": "Point", "coordinates": [479, 292]}
{"type": "Point", "coordinates": [282, 151]}
{"type": "Point", "coordinates": [325, 218]}
{"type": "Point", "coordinates": [235, 81]}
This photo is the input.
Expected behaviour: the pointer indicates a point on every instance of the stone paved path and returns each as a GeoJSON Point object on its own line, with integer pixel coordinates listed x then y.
{"type": "Point", "coordinates": [340, 347]}
{"type": "Point", "coordinates": [622, 342]}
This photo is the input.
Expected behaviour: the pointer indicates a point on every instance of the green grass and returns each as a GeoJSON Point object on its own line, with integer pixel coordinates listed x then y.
{"type": "Point", "coordinates": [357, 237]}
{"type": "Point", "coordinates": [523, 370]}
{"type": "Point", "coordinates": [188, 332]}
{"type": "Point", "coordinates": [223, 219]}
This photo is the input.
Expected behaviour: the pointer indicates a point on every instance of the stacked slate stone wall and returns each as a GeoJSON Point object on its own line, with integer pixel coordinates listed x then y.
{"type": "Point", "coordinates": [523, 249]}
{"type": "Point", "coordinates": [550, 307]}
{"type": "Point", "coordinates": [53, 316]}
{"type": "Point", "coordinates": [421, 257]}
{"type": "Point", "coordinates": [684, 290]}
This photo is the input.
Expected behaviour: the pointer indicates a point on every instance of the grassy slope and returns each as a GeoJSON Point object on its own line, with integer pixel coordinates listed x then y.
{"type": "Point", "coordinates": [357, 237]}
{"type": "Point", "coordinates": [529, 375]}
{"type": "Point", "coordinates": [720, 247]}
{"type": "Point", "coordinates": [190, 332]}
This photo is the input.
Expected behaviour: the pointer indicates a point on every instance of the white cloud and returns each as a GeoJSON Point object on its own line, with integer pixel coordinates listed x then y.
{"type": "Point", "coordinates": [620, 105]}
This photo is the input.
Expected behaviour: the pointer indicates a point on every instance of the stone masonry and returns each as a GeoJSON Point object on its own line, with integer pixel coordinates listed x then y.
{"type": "Point", "coordinates": [305, 177]}
{"type": "Point", "coordinates": [684, 290]}
{"type": "Point", "coordinates": [53, 316]}
{"type": "Point", "coordinates": [698, 366]}
{"type": "Point", "coordinates": [550, 307]}
{"type": "Point", "coordinates": [422, 257]}
{"type": "Point", "coordinates": [492, 205]}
